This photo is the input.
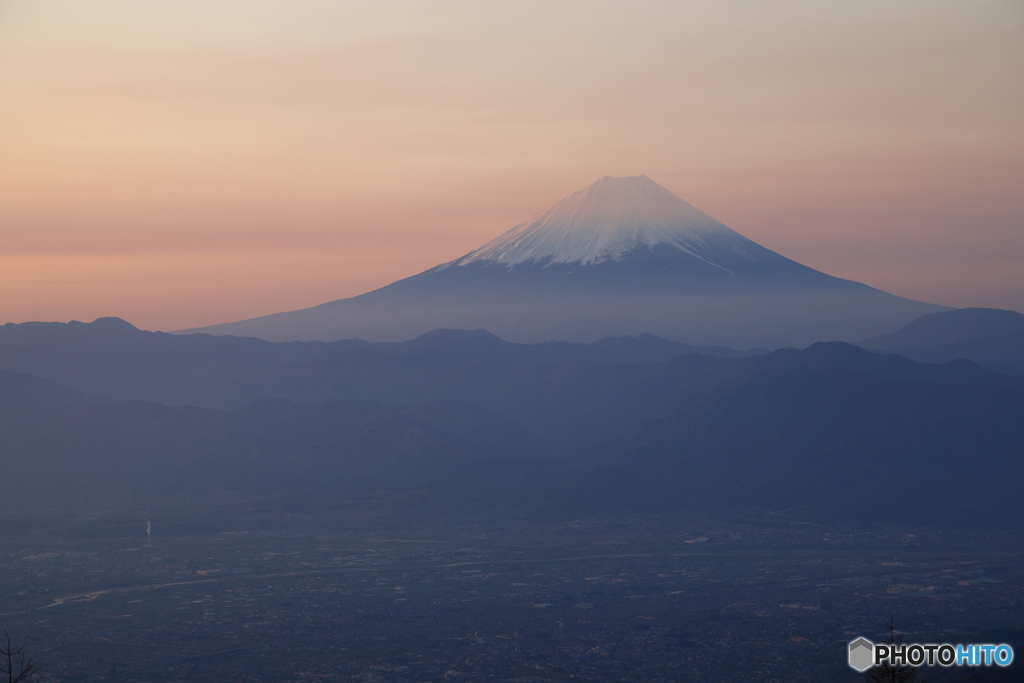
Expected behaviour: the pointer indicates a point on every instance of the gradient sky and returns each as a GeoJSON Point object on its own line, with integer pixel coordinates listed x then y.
{"type": "Point", "coordinates": [199, 161]}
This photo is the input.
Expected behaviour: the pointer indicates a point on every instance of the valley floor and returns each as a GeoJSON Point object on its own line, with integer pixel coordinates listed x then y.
{"type": "Point", "coordinates": [362, 595]}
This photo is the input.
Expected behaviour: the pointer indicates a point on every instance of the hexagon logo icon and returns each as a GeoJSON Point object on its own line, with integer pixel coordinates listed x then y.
{"type": "Point", "coordinates": [862, 654]}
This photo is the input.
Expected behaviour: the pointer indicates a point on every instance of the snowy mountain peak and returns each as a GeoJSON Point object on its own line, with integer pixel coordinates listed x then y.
{"type": "Point", "coordinates": [607, 220]}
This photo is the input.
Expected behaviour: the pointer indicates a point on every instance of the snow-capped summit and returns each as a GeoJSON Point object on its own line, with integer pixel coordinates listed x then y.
{"type": "Point", "coordinates": [608, 219]}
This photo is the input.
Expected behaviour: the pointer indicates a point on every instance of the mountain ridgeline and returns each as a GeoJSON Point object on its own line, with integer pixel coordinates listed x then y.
{"type": "Point", "coordinates": [464, 423]}
{"type": "Point", "coordinates": [111, 357]}
{"type": "Point", "coordinates": [989, 336]}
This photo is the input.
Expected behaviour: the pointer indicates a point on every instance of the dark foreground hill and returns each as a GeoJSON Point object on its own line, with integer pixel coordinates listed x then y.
{"type": "Point", "coordinates": [834, 439]}
{"type": "Point", "coordinates": [832, 428]}
{"type": "Point", "coordinates": [570, 404]}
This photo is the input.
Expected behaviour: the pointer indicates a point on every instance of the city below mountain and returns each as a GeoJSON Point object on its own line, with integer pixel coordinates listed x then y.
{"type": "Point", "coordinates": [623, 256]}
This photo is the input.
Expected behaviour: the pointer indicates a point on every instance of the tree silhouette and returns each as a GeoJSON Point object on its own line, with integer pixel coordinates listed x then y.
{"type": "Point", "coordinates": [14, 663]}
{"type": "Point", "coordinates": [889, 673]}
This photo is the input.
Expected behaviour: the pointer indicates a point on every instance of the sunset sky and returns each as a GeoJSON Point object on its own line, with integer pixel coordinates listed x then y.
{"type": "Point", "coordinates": [186, 163]}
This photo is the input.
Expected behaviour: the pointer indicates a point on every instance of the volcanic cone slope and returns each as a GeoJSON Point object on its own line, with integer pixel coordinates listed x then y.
{"type": "Point", "coordinates": [621, 256]}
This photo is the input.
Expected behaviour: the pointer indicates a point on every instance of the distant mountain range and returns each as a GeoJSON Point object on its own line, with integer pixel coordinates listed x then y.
{"type": "Point", "coordinates": [991, 337]}
{"type": "Point", "coordinates": [110, 357]}
{"type": "Point", "coordinates": [464, 423]}
{"type": "Point", "coordinates": [623, 256]}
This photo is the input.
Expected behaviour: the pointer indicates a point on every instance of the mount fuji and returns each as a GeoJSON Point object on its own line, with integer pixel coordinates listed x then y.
{"type": "Point", "coordinates": [621, 256]}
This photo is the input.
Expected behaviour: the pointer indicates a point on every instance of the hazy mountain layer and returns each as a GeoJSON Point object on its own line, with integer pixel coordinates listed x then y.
{"type": "Point", "coordinates": [991, 337]}
{"type": "Point", "coordinates": [834, 428]}
{"type": "Point", "coordinates": [110, 357]}
{"type": "Point", "coordinates": [949, 327]}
